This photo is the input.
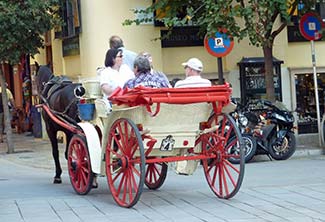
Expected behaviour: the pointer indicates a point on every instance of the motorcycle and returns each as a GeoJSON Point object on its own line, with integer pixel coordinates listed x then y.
{"type": "Point", "coordinates": [245, 121]}
{"type": "Point", "coordinates": [267, 130]}
{"type": "Point", "coordinates": [276, 135]}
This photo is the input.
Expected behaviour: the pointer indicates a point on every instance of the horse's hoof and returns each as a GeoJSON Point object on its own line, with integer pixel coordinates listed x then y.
{"type": "Point", "coordinates": [57, 181]}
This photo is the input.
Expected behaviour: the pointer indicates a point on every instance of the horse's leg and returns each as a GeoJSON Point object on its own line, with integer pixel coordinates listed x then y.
{"type": "Point", "coordinates": [55, 154]}
{"type": "Point", "coordinates": [69, 135]}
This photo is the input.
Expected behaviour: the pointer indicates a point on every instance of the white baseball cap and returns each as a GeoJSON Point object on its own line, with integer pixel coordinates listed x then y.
{"type": "Point", "coordinates": [194, 63]}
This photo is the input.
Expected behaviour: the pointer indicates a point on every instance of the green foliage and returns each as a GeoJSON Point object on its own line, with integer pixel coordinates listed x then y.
{"type": "Point", "coordinates": [22, 22]}
{"type": "Point", "coordinates": [255, 19]}
{"type": "Point", "coordinates": [259, 20]}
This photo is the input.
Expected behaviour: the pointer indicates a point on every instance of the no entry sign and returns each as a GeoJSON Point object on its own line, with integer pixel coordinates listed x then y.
{"type": "Point", "coordinates": [310, 26]}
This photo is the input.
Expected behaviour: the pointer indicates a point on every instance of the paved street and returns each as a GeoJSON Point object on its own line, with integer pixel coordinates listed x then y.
{"type": "Point", "coordinates": [292, 190]}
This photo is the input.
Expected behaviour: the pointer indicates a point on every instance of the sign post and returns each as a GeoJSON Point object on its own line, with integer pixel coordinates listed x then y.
{"type": "Point", "coordinates": [310, 26]}
{"type": "Point", "coordinates": [218, 46]}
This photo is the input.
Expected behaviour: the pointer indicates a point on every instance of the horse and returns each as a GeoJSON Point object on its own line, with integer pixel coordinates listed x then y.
{"type": "Point", "coordinates": [61, 95]}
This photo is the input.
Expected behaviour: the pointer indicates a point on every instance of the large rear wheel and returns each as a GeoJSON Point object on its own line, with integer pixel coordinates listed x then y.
{"type": "Point", "coordinates": [79, 166]}
{"type": "Point", "coordinates": [125, 162]}
{"type": "Point", "coordinates": [223, 177]}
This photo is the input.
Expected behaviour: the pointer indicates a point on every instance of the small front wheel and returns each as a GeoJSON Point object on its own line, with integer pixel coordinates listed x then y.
{"type": "Point", "coordinates": [79, 166]}
{"type": "Point", "coordinates": [155, 175]}
{"type": "Point", "coordinates": [125, 162]}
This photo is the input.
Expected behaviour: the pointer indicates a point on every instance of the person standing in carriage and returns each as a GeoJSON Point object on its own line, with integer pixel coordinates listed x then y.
{"type": "Point", "coordinates": [115, 74]}
{"type": "Point", "coordinates": [115, 42]}
{"type": "Point", "coordinates": [193, 69]}
{"type": "Point", "coordinates": [144, 77]}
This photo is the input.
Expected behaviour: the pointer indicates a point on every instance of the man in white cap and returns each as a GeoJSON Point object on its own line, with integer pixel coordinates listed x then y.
{"type": "Point", "coordinates": [193, 68]}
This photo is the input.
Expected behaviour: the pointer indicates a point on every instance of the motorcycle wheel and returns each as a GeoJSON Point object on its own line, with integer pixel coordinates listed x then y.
{"type": "Point", "coordinates": [284, 150]}
{"type": "Point", "coordinates": [249, 148]}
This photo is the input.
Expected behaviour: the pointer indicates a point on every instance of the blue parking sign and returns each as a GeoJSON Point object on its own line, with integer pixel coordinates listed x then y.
{"type": "Point", "coordinates": [220, 45]}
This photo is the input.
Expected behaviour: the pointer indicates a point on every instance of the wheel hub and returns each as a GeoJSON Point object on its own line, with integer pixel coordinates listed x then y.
{"type": "Point", "coordinates": [123, 162]}
{"type": "Point", "coordinates": [74, 165]}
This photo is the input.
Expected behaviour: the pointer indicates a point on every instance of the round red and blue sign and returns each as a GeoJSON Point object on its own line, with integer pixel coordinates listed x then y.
{"type": "Point", "coordinates": [310, 26]}
{"type": "Point", "coordinates": [220, 45]}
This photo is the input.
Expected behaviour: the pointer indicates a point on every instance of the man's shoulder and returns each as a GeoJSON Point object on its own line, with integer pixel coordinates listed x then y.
{"type": "Point", "coordinates": [196, 81]}
{"type": "Point", "coordinates": [129, 52]}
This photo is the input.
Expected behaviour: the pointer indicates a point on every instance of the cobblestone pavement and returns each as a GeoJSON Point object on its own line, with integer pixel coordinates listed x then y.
{"type": "Point", "coordinates": [291, 190]}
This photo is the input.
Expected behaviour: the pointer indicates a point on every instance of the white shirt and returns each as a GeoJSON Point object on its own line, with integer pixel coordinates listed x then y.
{"type": "Point", "coordinates": [193, 81]}
{"type": "Point", "coordinates": [128, 57]}
{"type": "Point", "coordinates": [115, 78]}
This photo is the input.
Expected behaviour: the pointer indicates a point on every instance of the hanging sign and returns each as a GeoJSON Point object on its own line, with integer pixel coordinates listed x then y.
{"type": "Point", "coordinates": [220, 45]}
{"type": "Point", "coordinates": [310, 26]}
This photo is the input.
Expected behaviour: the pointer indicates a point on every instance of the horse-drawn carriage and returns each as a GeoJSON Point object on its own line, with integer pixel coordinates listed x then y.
{"type": "Point", "coordinates": [145, 130]}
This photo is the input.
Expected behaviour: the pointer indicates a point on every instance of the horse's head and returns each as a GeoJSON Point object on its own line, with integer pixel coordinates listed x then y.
{"type": "Point", "coordinates": [43, 75]}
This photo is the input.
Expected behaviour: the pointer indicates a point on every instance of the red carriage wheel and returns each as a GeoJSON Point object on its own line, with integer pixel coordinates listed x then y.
{"type": "Point", "coordinates": [125, 162]}
{"type": "Point", "coordinates": [155, 175]}
{"type": "Point", "coordinates": [79, 166]}
{"type": "Point", "coordinates": [223, 177]}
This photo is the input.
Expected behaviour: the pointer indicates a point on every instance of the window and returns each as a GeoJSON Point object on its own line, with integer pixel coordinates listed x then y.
{"type": "Point", "coordinates": [70, 12]}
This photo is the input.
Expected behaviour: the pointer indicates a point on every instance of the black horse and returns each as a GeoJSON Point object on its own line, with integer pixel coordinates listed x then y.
{"type": "Point", "coordinates": [61, 96]}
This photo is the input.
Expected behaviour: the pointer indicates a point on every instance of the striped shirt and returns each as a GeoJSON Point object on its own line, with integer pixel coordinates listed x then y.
{"type": "Point", "coordinates": [148, 80]}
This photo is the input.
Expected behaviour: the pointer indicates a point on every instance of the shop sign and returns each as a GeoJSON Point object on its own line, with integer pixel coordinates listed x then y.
{"type": "Point", "coordinates": [181, 37]}
{"type": "Point", "coordinates": [71, 46]}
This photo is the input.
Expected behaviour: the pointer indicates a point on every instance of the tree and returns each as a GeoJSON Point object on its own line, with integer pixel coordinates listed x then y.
{"type": "Point", "coordinates": [259, 20]}
{"type": "Point", "coordinates": [22, 24]}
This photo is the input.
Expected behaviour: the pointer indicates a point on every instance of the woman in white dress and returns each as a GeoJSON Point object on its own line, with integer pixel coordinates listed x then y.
{"type": "Point", "coordinates": [115, 74]}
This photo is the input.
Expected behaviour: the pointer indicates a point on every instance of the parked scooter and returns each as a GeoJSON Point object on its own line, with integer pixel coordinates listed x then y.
{"type": "Point", "coordinates": [273, 131]}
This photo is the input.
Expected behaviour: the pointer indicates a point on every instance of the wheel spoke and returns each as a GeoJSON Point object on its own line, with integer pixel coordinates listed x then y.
{"type": "Point", "coordinates": [232, 166]}
{"type": "Point", "coordinates": [224, 181]}
{"type": "Point", "coordinates": [130, 179]}
{"type": "Point", "coordinates": [121, 184]}
{"type": "Point", "coordinates": [214, 174]}
{"type": "Point", "coordinates": [230, 176]}
{"type": "Point", "coordinates": [118, 174]}
{"type": "Point", "coordinates": [220, 181]}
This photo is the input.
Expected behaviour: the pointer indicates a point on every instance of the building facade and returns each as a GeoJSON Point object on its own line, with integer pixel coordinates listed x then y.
{"type": "Point", "coordinates": [80, 49]}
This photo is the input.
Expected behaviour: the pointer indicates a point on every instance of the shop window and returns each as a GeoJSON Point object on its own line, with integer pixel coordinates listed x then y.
{"type": "Point", "coordinates": [306, 102]}
{"type": "Point", "coordinates": [252, 79]}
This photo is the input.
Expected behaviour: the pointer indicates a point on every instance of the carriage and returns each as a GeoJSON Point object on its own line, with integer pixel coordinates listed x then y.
{"type": "Point", "coordinates": [134, 139]}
